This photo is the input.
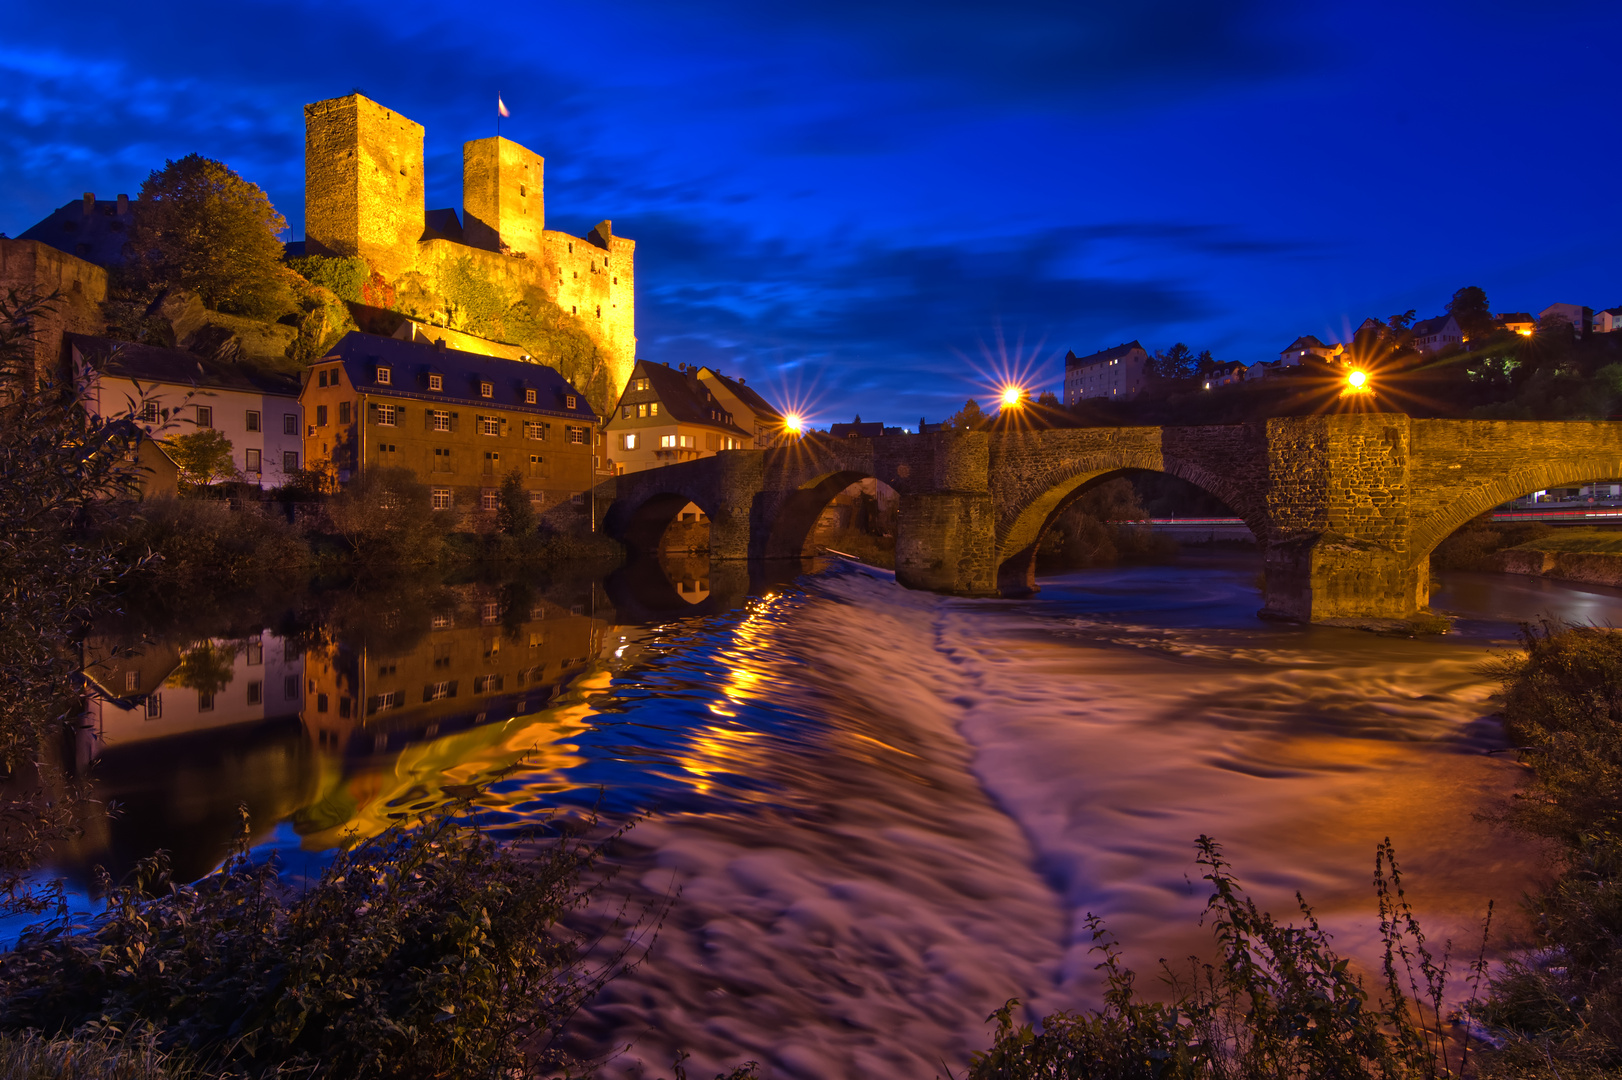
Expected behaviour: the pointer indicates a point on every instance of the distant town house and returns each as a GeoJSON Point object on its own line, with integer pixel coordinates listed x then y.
{"type": "Point", "coordinates": [668, 415]}
{"type": "Point", "coordinates": [173, 393]}
{"type": "Point", "coordinates": [748, 409]}
{"type": "Point", "coordinates": [1297, 351]}
{"type": "Point", "coordinates": [1518, 322]}
{"type": "Point", "coordinates": [1226, 375]}
{"type": "Point", "coordinates": [461, 422]}
{"type": "Point", "coordinates": [1434, 335]}
{"type": "Point", "coordinates": [1608, 320]}
{"type": "Point", "coordinates": [1580, 317]}
{"type": "Point", "coordinates": [1118, 373]}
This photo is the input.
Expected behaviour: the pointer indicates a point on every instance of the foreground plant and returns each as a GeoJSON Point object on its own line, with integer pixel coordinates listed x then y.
{"type": "Point", "coordinates": [1277, 1003]}
{"type": "Point", "coordinates": [429, 950]}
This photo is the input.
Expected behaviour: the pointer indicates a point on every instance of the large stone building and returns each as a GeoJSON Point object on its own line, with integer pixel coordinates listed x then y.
{"type": "Point", "coordinates": [364, 197]}
{"type": "Point", "coordinates": [34, 268]}
{"type": "Point", "coordinates": [460, 421]}
{"type": "Point", "coordinates": [1118, 374]}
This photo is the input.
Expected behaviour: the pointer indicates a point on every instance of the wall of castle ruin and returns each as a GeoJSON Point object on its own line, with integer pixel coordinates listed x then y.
{"type": "Point", "coordinates": [30, 267]}
{"type": "Point", "coordinates": [363, 183]}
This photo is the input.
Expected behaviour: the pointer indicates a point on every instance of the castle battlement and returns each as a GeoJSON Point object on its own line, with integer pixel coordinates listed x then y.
{"type": "Point", "coordinates": [364, 197]}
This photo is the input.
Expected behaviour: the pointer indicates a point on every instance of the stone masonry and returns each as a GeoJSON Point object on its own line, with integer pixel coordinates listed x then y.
{"type": "Point", "coordinates": [1347, 508]}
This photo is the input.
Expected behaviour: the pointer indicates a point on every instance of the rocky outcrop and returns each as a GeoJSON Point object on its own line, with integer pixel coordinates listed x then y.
{"type": "Point", "coordinates": [1590, 567]}
{"type": "Point", "coordinates": [219, 336]}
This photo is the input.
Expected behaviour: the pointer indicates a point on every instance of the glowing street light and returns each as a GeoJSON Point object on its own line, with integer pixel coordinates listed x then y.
{"type": "Point", "coordinates": [1357, 381]}
{"type": "Point", "coordinates": [793, 423]}
{"type": "Point", "coordinates": [1012, 397]}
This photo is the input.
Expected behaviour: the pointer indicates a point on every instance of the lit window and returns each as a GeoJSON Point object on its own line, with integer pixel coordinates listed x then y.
{"type": "Point", "coordinates": [570, 401]}
{"type": "Point", "coordinates": [667, 441]}
{"type": "Point", "coordinates": [653, 408]}
{"type": "Point", "coordinates": [386, 415]}
{"type": "Point", "coordinates": [205, 416]}
{"type": "Point", "coordinates": [529, 397]}
{"type": "Point", "coordinates": [436, 382]}
{"type": "Point", "coordinates": [486, 390]}
{"type": "Point", "coordinates": [489, 425]}
{"type": "Point", "coordinates": [383, 376]}
{"type": "Point", "coordinates": [689, 440]}
{"type": "Point", "coordinates": [640, 384]}
{"type": "Point", "coordinates": [441, 500]}
{"type": "Point", "coordinates": [253, 420]}
{"type": "Point", "coordinates": [533, 429]}
{"type": "Point", "coordinates": [628, 442]}
{"type": "Point", "coordinates": [440, 420]}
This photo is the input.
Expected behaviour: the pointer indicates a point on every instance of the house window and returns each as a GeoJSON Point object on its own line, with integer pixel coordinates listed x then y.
{"type": "Point", "coordinates": [689, 440]}
{"type": "Point", "coordinates": [321, 377]}
{"type": "Point", "coordinates": [667, 441]}
{"type": "Point", "coordinates": [253, 419]}
{"type": "Point", "coordinates": [488, 499]}
{"type": "Point", "coordinates": [386, 415]}
{"type": "Point", "coordinates": [575, 436]}
{"type": "Point", "coordinates": [383, 376]}
{"type": "Point", "coordinates": [492, 463]}
{"type": "Point", "coordinates": [642, 410]}
{"type": "Point", "coordinates": [253, 461]}
{"type": "Point", "coordinates": [438, 691]}
{"type": "Point", "coordinates": [535, 461]}
{"type": "Point", "coordinates": [487, 684]}
{"type": "Point", "coordinates": [132, 680]}
{"type": "Point", "coordinates": [205, 416]}
{"type": "Point", "coordinates": [653, 408]}
{"type": "Point", "coordinates": [640, 384]}
{"type": "Point", "coordinates": [442, 459]}
{"type": "Point", "coordinates": [256, 652]}
{"type": "Point", "coordinates": [154, 707]}
{"type": "Point", "coordinates": [441, 500]}
{"type": "Point", "coordinates": [625, 412]}
{"type": "Point", "coordinates": [489, 425]}
{"type": "Point", "coordinates": [320, 703]}
{"type": "Point", "coordinates": [256, 693]}
{"type": "Point", "coordinates": [490, 613]}
{"type": "Point", "coordinates": [205, 701]}
{"type": "Point", "coordinates": [289, 461]}
{"type": "Point", "coordinates": [579, 499]}
{"type": "Point", "coordinates": [343, 412]}
{"type": "Point", "coordinates": [628, 442]}
{"type": "Point", "coordinates": [571, 401]}
{"type": "Point", "coordinates": [529, 397]}
{"type": "Point", "coordinates": [533, 429]}
{"type": "Point", "coordinates": [149, 412]}
{"type": "Point", "coordinates": [486, 390]}
{"type": "Point", "coordinates": [436, 382]}
{"type": "Point", "coordinates": [439, 420]}
{"type": "Point", "coordinates": [320, 417]}
{"type": "Point", "coordinates": [290, 423]}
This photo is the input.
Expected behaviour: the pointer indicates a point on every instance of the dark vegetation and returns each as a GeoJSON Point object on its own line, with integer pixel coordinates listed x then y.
{"type": "Point", "coordinates": [1476, 544]}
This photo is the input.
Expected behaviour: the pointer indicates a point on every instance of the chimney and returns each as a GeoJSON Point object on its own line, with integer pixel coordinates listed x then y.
{"type": "Point", "coordinates": [89, 203]}
{"type": "Point", "coordinates": [123, 204]}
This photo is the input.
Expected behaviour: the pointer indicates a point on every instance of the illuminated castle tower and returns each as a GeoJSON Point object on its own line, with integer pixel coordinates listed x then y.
{"type": "Point", "coordinates": [363, 183]}
{"type": "Point", "coordinates": [503, 201]}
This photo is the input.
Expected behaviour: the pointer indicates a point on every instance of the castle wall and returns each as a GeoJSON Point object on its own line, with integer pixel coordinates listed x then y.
{"type": "Point", "coordinates": [503, 199]}
{"type": "Point", "coordinates": [30, 266]}
{"type": "Point", "coordinates": [363, 183]}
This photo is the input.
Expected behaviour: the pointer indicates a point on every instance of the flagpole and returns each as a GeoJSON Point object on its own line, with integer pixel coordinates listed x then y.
{"type": "Point", "coordinates": [498, 114]}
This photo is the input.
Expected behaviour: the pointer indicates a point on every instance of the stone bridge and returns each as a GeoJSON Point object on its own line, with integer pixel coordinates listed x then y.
{"type": "Point", "coordinates": [1347, 508]}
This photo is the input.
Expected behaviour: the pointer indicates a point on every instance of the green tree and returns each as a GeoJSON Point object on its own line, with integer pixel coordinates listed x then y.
{"type": "Point", "coordinates": [1399, 324]}
{"type": "Point", "coordinates": [1470, 309]}
{"type": "Point", "coordinates": [203, 227]}
{"type": "Point", "coordinates": [204, 457]}
{"type": "Point", "coordinates": [969, 418]}
{"type": "Point", "coordinates": [383, 516]}
{"type": "Point", "coordinates": [1048, 398]}
{"type": "Point", "coordinates": [1177, 362]}
{"type": "Point", "coordinates": [515, 515]}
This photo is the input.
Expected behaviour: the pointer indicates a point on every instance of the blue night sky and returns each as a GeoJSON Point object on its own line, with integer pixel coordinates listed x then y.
{"type": "Point", "coordinates": [873, 206]}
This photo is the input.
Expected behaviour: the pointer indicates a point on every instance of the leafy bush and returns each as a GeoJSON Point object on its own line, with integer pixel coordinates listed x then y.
{"type": "Point", "coordinates": [204, 542]}
{"type": "Point", "coordinates": [1088, 533]}
{"type": "Point", "coordinates": [1476, 544]}
{"type": "Point", "coordinates": [203, 457]}
{"type": "Point", "coordinates": [344, 275]}
{"type": "Point", "coordinates": [383, 517]}
{"type": "Point", "coordinates": [429, 950]}
{"type": "Point", "coordinates": [515, 515]}
{"type": "Point", "coordinates": [1278, 1003]}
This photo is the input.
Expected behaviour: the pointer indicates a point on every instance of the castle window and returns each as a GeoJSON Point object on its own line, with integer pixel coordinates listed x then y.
{"type": "Point", "coordinates": [436, 382]}
{"type": "Point", "coordinates": [529, 397]}
{"type": "Point", "coordinates": [486, 390]}
{"type": "Point", "coordinates": [523, 190]}
{"type": "Point", "coordinates": [599, 311]}
{"type": "Point", "coordinates": [616, 279]}
{"type": "Point", "coordinates": [571, 401]}
{"type": "Point", "coordinates": [383, 376]}
{"type": "Point", "coordinates": [571, 249]}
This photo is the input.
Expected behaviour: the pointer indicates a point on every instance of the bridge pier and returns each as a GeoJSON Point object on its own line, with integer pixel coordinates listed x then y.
{"type": "Point", "coordinates": [1336, 579]}
{"type": "Point", "coordinates": [946, 543]}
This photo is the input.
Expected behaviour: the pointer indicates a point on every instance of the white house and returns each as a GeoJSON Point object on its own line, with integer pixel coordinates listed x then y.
{"type": "Point", "coordinates": [1575, 314]}
{"type": "Point", "coordinates": [173, 392]}
{"type": "Point", "coordinates": [1607, 321]}
{"type": "Point", "coordinates": [1118, 374]}
{"type": "Point", "coordinates": [1434, 335]}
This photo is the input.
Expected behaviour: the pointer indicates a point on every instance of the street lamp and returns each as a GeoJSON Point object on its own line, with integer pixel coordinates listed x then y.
{"type": "Point", "coordinates": [793, 423]}
{"type": "Point", "coordinates": [1357, 381]}
{"type": "Point", "coordinates": [1012, 397]}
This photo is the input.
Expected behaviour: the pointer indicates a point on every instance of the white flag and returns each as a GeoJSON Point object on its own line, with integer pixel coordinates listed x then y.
{"type": "Point", "coordinates": [501, 108]}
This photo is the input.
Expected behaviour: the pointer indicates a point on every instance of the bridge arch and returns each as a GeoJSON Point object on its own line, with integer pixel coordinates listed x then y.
{"type": "Point", "coordinates": [1499, 489]}
{"type": "Point", "coordinates": [639, 523]}
{"type": "Point", "coordinates": [797, 514]}
{"type": "Point", "coordinates": [1021, 527]}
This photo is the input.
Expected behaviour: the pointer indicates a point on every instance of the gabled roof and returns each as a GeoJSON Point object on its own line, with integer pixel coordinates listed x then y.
{"type": "Point", "coordinates": [684, 398]}
{"type": "Point", "coordinates": [757, 404]}
{"type": "Point", "coordinates": [1103, 356]}
{"type": "Point", "coordinates": [1305, 341]}
{"type": "Point", "coordinates": [411, 362]}
{"type": "Point", "coordinates": [1433, 326]}
{"type": "Point", "coordinates": [442, 225]}
{"type": "Point", "coordinates": [177, 367]}
{"type": "Point", "coordinates": [1521, 316]}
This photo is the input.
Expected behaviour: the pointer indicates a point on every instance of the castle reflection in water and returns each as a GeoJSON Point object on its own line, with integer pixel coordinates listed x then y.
{"type": "Point", "coordinates": [382, 704]}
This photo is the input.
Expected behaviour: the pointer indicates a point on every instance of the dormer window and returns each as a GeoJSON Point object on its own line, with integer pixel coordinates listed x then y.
{"type": "Point", "coordinates": [436, 382]}
{"type": "Point", "coordinates": [529, 397]}
{"type": "Point", "coordinates": [570, 401]}
{"type": "Point", "coordinates": [486, 390]}
{"type": "Point", "coordinates": [383, 376]}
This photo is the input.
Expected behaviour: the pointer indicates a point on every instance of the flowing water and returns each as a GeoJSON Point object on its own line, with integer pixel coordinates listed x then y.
{"type": "Point", "coordinates": [885, 812]}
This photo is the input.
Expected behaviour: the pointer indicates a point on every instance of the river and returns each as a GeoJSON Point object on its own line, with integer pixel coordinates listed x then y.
{"type": "Point", "coordinates": [885, 812]}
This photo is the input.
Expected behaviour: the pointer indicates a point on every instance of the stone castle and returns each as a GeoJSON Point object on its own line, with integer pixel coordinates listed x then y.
{"type": "Point", "coordinates": [364, 197]}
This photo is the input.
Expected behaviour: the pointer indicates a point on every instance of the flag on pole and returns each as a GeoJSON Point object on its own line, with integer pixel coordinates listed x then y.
{"type": "Point", "coordinates": [501, 108]}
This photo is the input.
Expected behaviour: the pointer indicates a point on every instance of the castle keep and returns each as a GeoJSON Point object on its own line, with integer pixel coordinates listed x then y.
{"type": "Point", "coordinates": [364, 197]}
